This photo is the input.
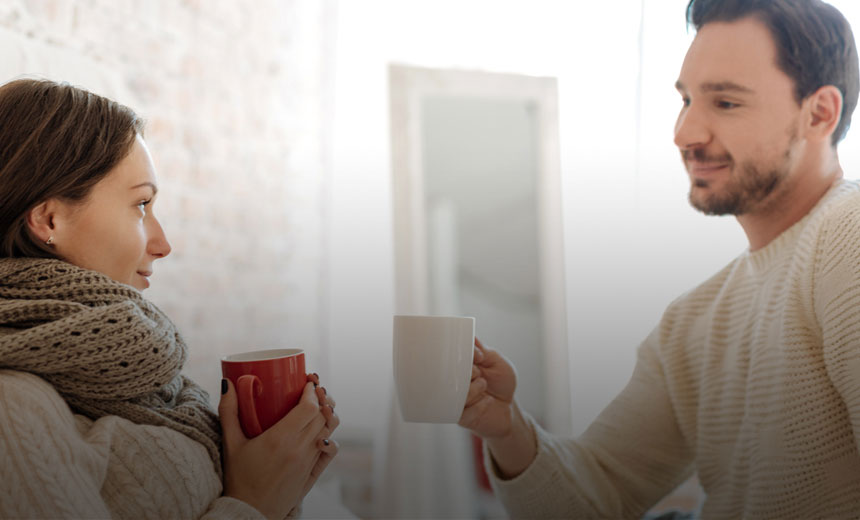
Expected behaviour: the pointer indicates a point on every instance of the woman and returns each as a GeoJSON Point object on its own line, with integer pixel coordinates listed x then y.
{"type": "Point", "coordinates": [95, 418]}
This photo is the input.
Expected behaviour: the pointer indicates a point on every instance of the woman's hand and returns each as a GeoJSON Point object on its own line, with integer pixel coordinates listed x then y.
{"type": "Point", "coordinates": [327, 445]}
{"type": "Point", "coordinates": [272, 471]}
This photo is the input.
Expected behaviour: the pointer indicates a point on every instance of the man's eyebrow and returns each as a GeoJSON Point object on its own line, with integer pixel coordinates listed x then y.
{"type": "Point", "coordinates": [145, 184]}
{"type": "Point", "coordinates": [718, 86]}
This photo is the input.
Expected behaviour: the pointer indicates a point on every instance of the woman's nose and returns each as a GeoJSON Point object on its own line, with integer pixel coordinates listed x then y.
{"type": "Point", "coordinates": [158, 245]}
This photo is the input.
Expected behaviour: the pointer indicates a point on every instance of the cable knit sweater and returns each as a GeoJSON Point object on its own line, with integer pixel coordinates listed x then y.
{"type": "Point", "coordinates": [752, 379]}
{"type": "Point", "coordinates": [56, 464]}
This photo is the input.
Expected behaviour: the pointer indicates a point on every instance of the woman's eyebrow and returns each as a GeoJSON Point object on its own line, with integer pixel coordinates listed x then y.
{"type": "Point", "coordinates": [145, 184]}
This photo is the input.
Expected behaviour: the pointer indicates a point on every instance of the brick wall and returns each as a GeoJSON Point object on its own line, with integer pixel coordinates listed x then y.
{"type": "Point", "coordinates": [236, 96]}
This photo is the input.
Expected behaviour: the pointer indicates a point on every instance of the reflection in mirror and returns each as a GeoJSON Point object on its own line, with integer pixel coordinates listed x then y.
{"type": "Point", "coordinates": [477, 232]}
{"type": "Point", "coordinates": [480, 176]}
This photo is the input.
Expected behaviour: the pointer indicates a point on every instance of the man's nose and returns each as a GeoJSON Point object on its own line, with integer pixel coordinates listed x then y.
{"type": "Point", "coordinates": [691, 130]}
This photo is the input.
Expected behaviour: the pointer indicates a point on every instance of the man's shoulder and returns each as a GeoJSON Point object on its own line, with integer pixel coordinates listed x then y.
{"type": "Point", "coordinates": [700, 297]}
{"type": "Point", "coordinates": [840, 203]}
{"type": "Point", "coordinates": [835, 222]}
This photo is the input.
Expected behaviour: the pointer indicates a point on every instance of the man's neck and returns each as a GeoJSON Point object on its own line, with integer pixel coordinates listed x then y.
{"type": "Point", "coordinates": [803, 194]}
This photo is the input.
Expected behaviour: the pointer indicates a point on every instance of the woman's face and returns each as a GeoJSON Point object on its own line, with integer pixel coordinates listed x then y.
{"type": "Point", "coordinates": [114, 231]}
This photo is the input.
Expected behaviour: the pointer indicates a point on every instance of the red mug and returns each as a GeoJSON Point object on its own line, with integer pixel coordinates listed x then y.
{"type": "Point", "coordinates": [269, 383]}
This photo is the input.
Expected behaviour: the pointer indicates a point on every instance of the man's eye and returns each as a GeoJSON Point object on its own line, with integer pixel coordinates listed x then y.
{"type": "Point", "coordinates": [686, 101]}
{"type": "Point", "coordinates": [727, 104]}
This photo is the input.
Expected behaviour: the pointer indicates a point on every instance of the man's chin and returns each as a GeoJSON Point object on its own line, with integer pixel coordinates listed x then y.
{"type": "Point", "coordinates": [705, 201]}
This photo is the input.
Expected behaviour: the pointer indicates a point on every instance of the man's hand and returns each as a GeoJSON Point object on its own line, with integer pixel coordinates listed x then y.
{"type": "Point", "coordinates": [492, 413]}
{"type": "Point", "coordinates": [489, 403]}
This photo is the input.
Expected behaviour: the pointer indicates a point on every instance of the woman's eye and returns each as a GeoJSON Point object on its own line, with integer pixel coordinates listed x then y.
{"type": "Point", "coordinates": [142, 204]}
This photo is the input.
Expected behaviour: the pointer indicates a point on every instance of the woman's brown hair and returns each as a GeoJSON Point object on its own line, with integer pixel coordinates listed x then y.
{"type": "Point", "coordinates": [56, 141]}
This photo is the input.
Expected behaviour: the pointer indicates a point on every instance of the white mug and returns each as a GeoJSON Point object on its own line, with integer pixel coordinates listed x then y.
{"type": "Point", "coordinates": [433, 366]}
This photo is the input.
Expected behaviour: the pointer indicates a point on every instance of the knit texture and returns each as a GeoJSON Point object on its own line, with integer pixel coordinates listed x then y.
{"type": "Point", "coordinates": [752, 379]}
{"type": "Point", "coordinates": [59, 465]}
{"type": "Point", "coordinates": [102, 346]}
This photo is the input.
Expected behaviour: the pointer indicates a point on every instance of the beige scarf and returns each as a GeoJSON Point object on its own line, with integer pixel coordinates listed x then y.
{"type": "Point", "coordinates": [106, 349]}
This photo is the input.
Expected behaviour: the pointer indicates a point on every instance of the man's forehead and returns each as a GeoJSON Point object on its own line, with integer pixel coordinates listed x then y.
{"type": "Point", "coordinates": [729, 56]}
{"type": "Point", "coordinates": [717, 86]}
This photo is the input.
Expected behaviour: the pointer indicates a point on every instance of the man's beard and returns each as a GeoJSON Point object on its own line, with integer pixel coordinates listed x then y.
{"type": "Point", "coordinates": [749, 185]}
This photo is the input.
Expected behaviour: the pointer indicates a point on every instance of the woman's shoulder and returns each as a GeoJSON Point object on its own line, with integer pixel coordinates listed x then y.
{"type": "Point", "coordinates": [25, 396]}
{"type": "Point", "coordinates": [16, 386]}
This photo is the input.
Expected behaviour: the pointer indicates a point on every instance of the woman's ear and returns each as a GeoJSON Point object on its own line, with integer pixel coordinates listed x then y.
{"type": "Point", "coordinates": [40, 220]}
{"type": "Point", "coordinates": [825, 110]}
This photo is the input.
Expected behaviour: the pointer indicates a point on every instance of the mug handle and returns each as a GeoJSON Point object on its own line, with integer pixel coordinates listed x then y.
{"type": "Point", "coordinates": [249, 387]}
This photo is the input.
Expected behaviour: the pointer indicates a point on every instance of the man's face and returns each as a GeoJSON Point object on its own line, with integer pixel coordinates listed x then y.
{"type": "Point", "coordinates": [737, 130]}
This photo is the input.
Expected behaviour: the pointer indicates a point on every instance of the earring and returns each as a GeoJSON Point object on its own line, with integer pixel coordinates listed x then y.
{"type": "Point", "coordinates": [50, 240]}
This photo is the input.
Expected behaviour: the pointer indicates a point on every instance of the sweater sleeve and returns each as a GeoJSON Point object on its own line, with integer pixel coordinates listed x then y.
{"type": "Point", "coordinates": [48, 470]}
{"type": "Point", "coordinates": [836, 300]}
{"type": "Point", "coordinates": [227, 508]}
{"type": "Point", "coordinates": [629, 458]}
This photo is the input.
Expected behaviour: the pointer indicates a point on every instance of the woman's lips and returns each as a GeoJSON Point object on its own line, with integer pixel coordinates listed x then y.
{"type": "Point", "coordinates": [145, 275]}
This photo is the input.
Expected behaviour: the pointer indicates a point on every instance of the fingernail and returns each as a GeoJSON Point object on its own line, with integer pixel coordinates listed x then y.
{"type": "Point", "coordinates": [326, 442]}
{"type": "Point", "coordinates": [223, 386]}
{"type": "Point", "coordinates": [316, 385]}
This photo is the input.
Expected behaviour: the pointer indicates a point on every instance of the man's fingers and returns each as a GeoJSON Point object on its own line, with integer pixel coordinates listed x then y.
{"type": "Point", "coordinates": [476, 390]}
{"type": "Point", "coordinates": [471, 414]}
{"type": "Point", "coordinates": [480, 346]}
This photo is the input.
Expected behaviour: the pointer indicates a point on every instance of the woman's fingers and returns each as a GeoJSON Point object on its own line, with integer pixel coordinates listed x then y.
{"type": "Point", "coordinates": [228, 412]}
{"type": "Point", "coordinates": [324, 398]}
{"type": "Point", "coordinates": [328, 446]}
{"type": "Point", "coordinates": [332, 421]}
{"type": "Point", "coordinates": [328, 450]}
{"type": "Point", "coordinates": [302, 415]}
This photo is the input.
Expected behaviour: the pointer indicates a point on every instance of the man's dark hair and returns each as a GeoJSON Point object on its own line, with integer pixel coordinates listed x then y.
{"type": "Point", "coordinates": [814, 42]}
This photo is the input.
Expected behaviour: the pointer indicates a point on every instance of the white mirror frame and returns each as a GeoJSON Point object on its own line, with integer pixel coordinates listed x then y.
{"type": "Point", "coordinates": [408, 86]}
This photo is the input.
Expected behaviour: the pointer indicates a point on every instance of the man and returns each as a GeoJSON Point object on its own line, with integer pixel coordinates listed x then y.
{"type": "Point", "coordinates": [752, 379]}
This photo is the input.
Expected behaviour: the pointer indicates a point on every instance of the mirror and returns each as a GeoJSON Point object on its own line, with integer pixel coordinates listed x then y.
{"type": "Point", "coordinates": [478, 218]}
{"type": "Point", "coordinates": [480, 201]}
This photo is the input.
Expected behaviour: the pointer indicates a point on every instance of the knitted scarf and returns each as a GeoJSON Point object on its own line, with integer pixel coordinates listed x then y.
{"type": "Point", "coordinates": [103, 347]}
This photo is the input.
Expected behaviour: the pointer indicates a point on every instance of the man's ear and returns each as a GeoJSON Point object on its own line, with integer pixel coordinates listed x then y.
{"type": "Point", "coordinates": [40, 219]}
{"type": "Point", "coordinates": [825, 112]}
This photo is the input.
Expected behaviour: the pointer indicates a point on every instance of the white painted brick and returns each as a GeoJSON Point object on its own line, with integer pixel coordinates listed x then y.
{"type": "Point", "coordinates": [232, 94]}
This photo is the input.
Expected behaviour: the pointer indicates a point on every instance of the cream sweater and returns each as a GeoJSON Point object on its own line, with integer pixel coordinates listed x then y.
{"type": "Point", "coordinates": [56, 464]}
{"type": "Point", "coordinates": [752, 379]}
